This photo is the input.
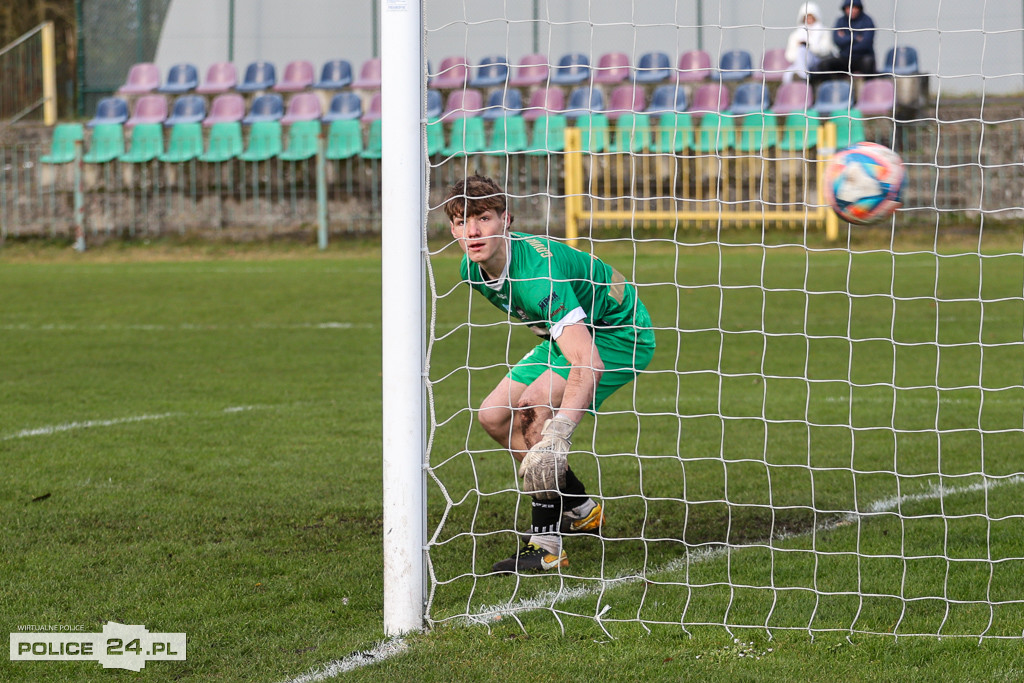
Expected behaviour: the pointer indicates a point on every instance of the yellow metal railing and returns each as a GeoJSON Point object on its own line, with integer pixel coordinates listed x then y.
{"type": "Point", "coordinates": [648, 189]}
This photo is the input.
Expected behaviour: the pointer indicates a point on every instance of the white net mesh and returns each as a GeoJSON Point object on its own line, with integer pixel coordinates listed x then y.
{"type": "Point", "coordinates": [829, 435]}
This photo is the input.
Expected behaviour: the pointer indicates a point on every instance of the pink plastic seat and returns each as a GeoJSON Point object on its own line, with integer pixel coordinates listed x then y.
{"type": "Point", "coordinates": [225, 108]}
{"type": "Point", "coordinates": [220, 77]}
{"type": "Point", "coordinates": [878, 96]}
{"type": "Point", "coordinates": [612, 67]}
{"type": "Point", "coordinates": [298, 75]}
{"type": "Point", "coordinates": [626, 99]}
{"type": "Point", "coordinates": [369, 75]}
{"type": "Point", "coordinates": [543, 102]}
{"type": "Point", "coordinates": [305, 106]}
{"type": "Point", "coordinates": [142, 78]}
{"type": "Point", "coordinates": [792, 97]}
{"type": "Point", "coordinates": [462, 104]}
{"type": "Point", "coordinates": [710, 97]}
{"type": "Point", "coordinates": [773, 65]}
{"type": "Point", "coordinates": [453, 74]}
{"type": "Point", "coordinates": [372, 112]}
{"type": "Point", "coordinates": [148, 109]}
{"type": "Point", "coordinates": [532, 70]}
{"type": "Point", "coordinates": [693, 66]}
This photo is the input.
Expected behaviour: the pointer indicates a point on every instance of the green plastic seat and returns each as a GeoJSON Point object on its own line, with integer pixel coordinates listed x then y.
{"type": "Point", "coordinates": [508, 136]}
{"type": "Point", "coordinates": [344, 139]}
{"type": "Point", "coordinates": [675, 133]}
{"type": "Point", "coordinates": [849, 128]}
{"type": "Point", "coordinates": [467, 137]}
{"type": "Point", "coordinates": [548, 135]}
{"type": "Point", "coordinates": [185, 143]}
{"type": "Point", "coordinates": [147, 143]}
{"type": "Point", "coordinates": [225, 142]}
{"type": "Point", "coordinates": [374, 145]}
{"type": "Point", "coordinates": [435, 137]}
{"type": "Point", "coordinates": [715, 134]}
{"type": "Point", "coordinates": [107, 144]}
{"type": "Point", "coordinates": [632, 133]}
{"type": "Point", "coordinates": [757, 132]}
{"type": "Point", "coordinates": [303, 139]}
{"type": "Point", "coordinates": [593, 132]}
{"type": "Point", "coordinates": [264, 141]}
{"type": "Point", "coordinates": [62, 146]}
{"type": "Point", "coordinates": [799, 132]}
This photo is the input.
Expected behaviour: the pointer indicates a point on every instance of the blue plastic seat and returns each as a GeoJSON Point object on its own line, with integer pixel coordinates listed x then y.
{"type": "Point", "coordinates": [736, 65]}
{"type": "Point", "coordinates": [181, 78]}
{"type": "Point", "coordinates": [833, 96]}
{"type": "Point", "coordinates": [750, 98]}
{"type": "Point", "coordinates": [501, 103]}
{"type": "Point", "coordinates": [258, 76]}
{"type": "Point", "coordinates": [187, 109]}
{"type": "Point", "coordinates": [266, 107]}
{"type": "Point", "coordinates": [653, 67]}
{"type": "Point", "coordinates": [585, 100]}
{"type": "Point", "coordinates": [110, 110]}
{"type": "Point", "coordinates": [667, 98]}
{"type": "Point", "coordinates": [335, 75]}
{"type": "Point", "coordinates": [343, 106]}
{"type": "Point", "coordinates": [572, 69]}
{"type": "Point", "coordinates": [490, 73]}
{"type": "Point", "coordinates": [901, 61]}
{"type": "Point", "coordinates": [435, 104]}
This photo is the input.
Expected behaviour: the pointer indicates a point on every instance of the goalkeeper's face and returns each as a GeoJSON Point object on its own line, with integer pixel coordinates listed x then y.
{"type": "Point", "coordinates": [482, 237]}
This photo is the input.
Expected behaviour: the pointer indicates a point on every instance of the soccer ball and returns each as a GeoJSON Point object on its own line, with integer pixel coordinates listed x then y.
{"type": "Point", "coordinates": [864, 183]}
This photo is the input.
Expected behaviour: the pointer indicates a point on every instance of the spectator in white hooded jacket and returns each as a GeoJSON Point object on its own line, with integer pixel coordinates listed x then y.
{"type": "Point", "coordinates": [810, 43]}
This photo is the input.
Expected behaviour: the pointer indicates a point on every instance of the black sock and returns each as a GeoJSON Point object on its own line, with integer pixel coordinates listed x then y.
{"type": "Point", "coordinates": [574, 493]}
{"type": "Point", "coordinates": [547, 514]}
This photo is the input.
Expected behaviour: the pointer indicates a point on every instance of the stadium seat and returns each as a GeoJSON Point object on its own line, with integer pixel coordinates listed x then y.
{"type": "Point", "coordinates": [799, 132]}
{"type": "Point", "coordinates": [490, 72]}
{"type": "Point", "coordinates": [344, 139]}
{"type": "Point", "coordinates": [773, 65]}
{"type": "Point", "coordinates": [334, 75]}
{"type": "Point", "coordinates": [148, 109]}
{"type": "Point", "coordinates": [710, 97]}
{"type": "Point", "coordinates": [147, 144]}
{"type": "Point", "coordinates": [833, 96]}
{"type": "Point", "coordinates": [877, 97]}
{"type": "Point", "coordinates": [901, 61]}
{"type": "Point", "coordinates": [612, 68]}
{"type": "Point", "coordinates": [62, 144]}
{"type": "Point", "coordinates": [187, 109]}
{"type": "Point", "coordinates": [435, 104]}
{"type": "Point", "coordinates": [462, 104]}
{"type": "Point", "coordinates": [532, 70]}
{"type": "Point", "coordinates": [466, 137]}
{"type": "Point", "coordinates": [593, 129]}
{"type": "Point", "coordinates": [693, 66]}
{"type": "Point", "coordinates": [454, 73]}
{"type": "Point", "coordinates": [374, 143]}
{"type": "Point", "coordinates": [344, 106]}
{"type": "Point", "coordinates": [504, 102]}
{"type": "Point", "coordinates": [653, 67]}
{"type": "Point", "coordinates": [670, 97]}
{"type": "Point", "coordinates": [105, 144]}
{"type": "Point", "coordinates": [266, 107]}
{"type": "Point", "coordinates": [792, 97]}
{"type": "Point", "coordinates": [298, 75]}
{"type": "Point", "coordinates": [435, 137]}
{"type": "Point", "coordinates": [303, 106]}
{"type": "Point", "coordinates": [508, 136]}
{"type": "Point", "coordinates": [142, 78]}
{"type": "Point", "coordinates": [544, 101]}
{"type": "Point", "coordinates": [625, 99]}
{"type": "Point", "coordinates": [181, 78]}
{"type": "Point", "coordinates": [548, 134]}
{"type": "Point", "coordinates": [372, 112]}
{"type": "Point", "coordinates": [572, 69]}
{"type": "Point", "coordinates": [585, 99]}
{"type": "Point", "coordinates": [735, 65]}
{"type": "Point", "coordinates": [750, 98]}
{"type": "Point", "coordinates": [225, 108]}
{"type": "Point", "coordinates": [185, 143]}
{"type": "Point", "coordinates": [221, 77]}
{"type": "Point", "coordinates": [225, 142]}
{"type": "Point", "coordinates": [110, 110]}
{"type": "Point", "coordinates": [258, 76]}
{"type": "Point", "coordinates": [675, 133]}
{"type": "Point", "coordinates": [757, 133]}
{"type": "Point", "coordinates": [264, 141]}
{"type": "Point", "coordinates": [632, 133]}
{"type": "Point", "coordinates": [302, 140]}
{"type": "Point", "coordinates": [369, 75]}
{"type": "Point", "coordinates": [715, 134]}
{"type": "Point", "coordinates": [849, 128]}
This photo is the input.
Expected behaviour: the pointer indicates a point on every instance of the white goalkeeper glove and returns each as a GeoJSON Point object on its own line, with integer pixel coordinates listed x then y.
{"type": "Point", "coordinates": [544, 467]}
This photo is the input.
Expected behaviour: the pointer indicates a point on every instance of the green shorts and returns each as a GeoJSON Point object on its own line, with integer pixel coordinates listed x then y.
{"type": "Point", "coordinates": [622, 361]}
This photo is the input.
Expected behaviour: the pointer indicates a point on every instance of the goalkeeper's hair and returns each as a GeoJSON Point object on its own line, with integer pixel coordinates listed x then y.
{"type": "Point", "coordinates": [473, 196]}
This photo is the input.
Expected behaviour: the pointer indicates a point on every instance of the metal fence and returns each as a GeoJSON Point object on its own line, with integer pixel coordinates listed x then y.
{"type": "Point", "coordinates": [27, 77]}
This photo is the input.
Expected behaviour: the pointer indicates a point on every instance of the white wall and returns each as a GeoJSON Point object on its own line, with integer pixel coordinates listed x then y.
{"type": "Point", "coordinates": [972, 46]}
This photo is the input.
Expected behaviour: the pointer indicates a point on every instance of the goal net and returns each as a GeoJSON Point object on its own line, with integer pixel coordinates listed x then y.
{"type": "Point", "coordinates": [829, 436]}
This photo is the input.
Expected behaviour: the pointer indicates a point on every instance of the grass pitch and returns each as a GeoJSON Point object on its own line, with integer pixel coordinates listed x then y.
{"type": "Point", "coordinates": [193, 444]}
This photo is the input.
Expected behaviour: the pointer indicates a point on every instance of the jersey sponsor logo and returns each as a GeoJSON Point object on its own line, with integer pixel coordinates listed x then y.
{"type": "Point", "coordinates": [558, 310]}
{"type": "Point", "coordinates": [540, 247]}
{"type": "Point", "coordinates": [551, 298]}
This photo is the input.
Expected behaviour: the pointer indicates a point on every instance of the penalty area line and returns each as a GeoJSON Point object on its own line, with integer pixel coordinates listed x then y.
{"type": "Point", "coordinates": [381, 651]}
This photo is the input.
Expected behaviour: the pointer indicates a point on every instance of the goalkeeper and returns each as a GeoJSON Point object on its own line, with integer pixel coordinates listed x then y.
{"type": "Point", "coordinates": [596, 336]}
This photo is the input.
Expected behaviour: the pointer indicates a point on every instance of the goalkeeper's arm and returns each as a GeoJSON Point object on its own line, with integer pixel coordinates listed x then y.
{"type": "Point", "coordinates": [577, 345]}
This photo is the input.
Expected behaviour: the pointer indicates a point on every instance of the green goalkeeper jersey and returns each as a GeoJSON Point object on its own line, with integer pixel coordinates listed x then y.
{"type": "Point", "coordinates": [549, 285]}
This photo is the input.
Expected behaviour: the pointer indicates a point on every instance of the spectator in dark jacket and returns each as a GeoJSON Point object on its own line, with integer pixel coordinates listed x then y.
{"type": "Point", "coordinates": [854, 37]}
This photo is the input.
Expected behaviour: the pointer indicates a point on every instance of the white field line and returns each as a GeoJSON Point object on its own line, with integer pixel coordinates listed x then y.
{"type": "Point", "coordinates": [49, 430]}
{"type": "Point", "coordinates": [379, 652]}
